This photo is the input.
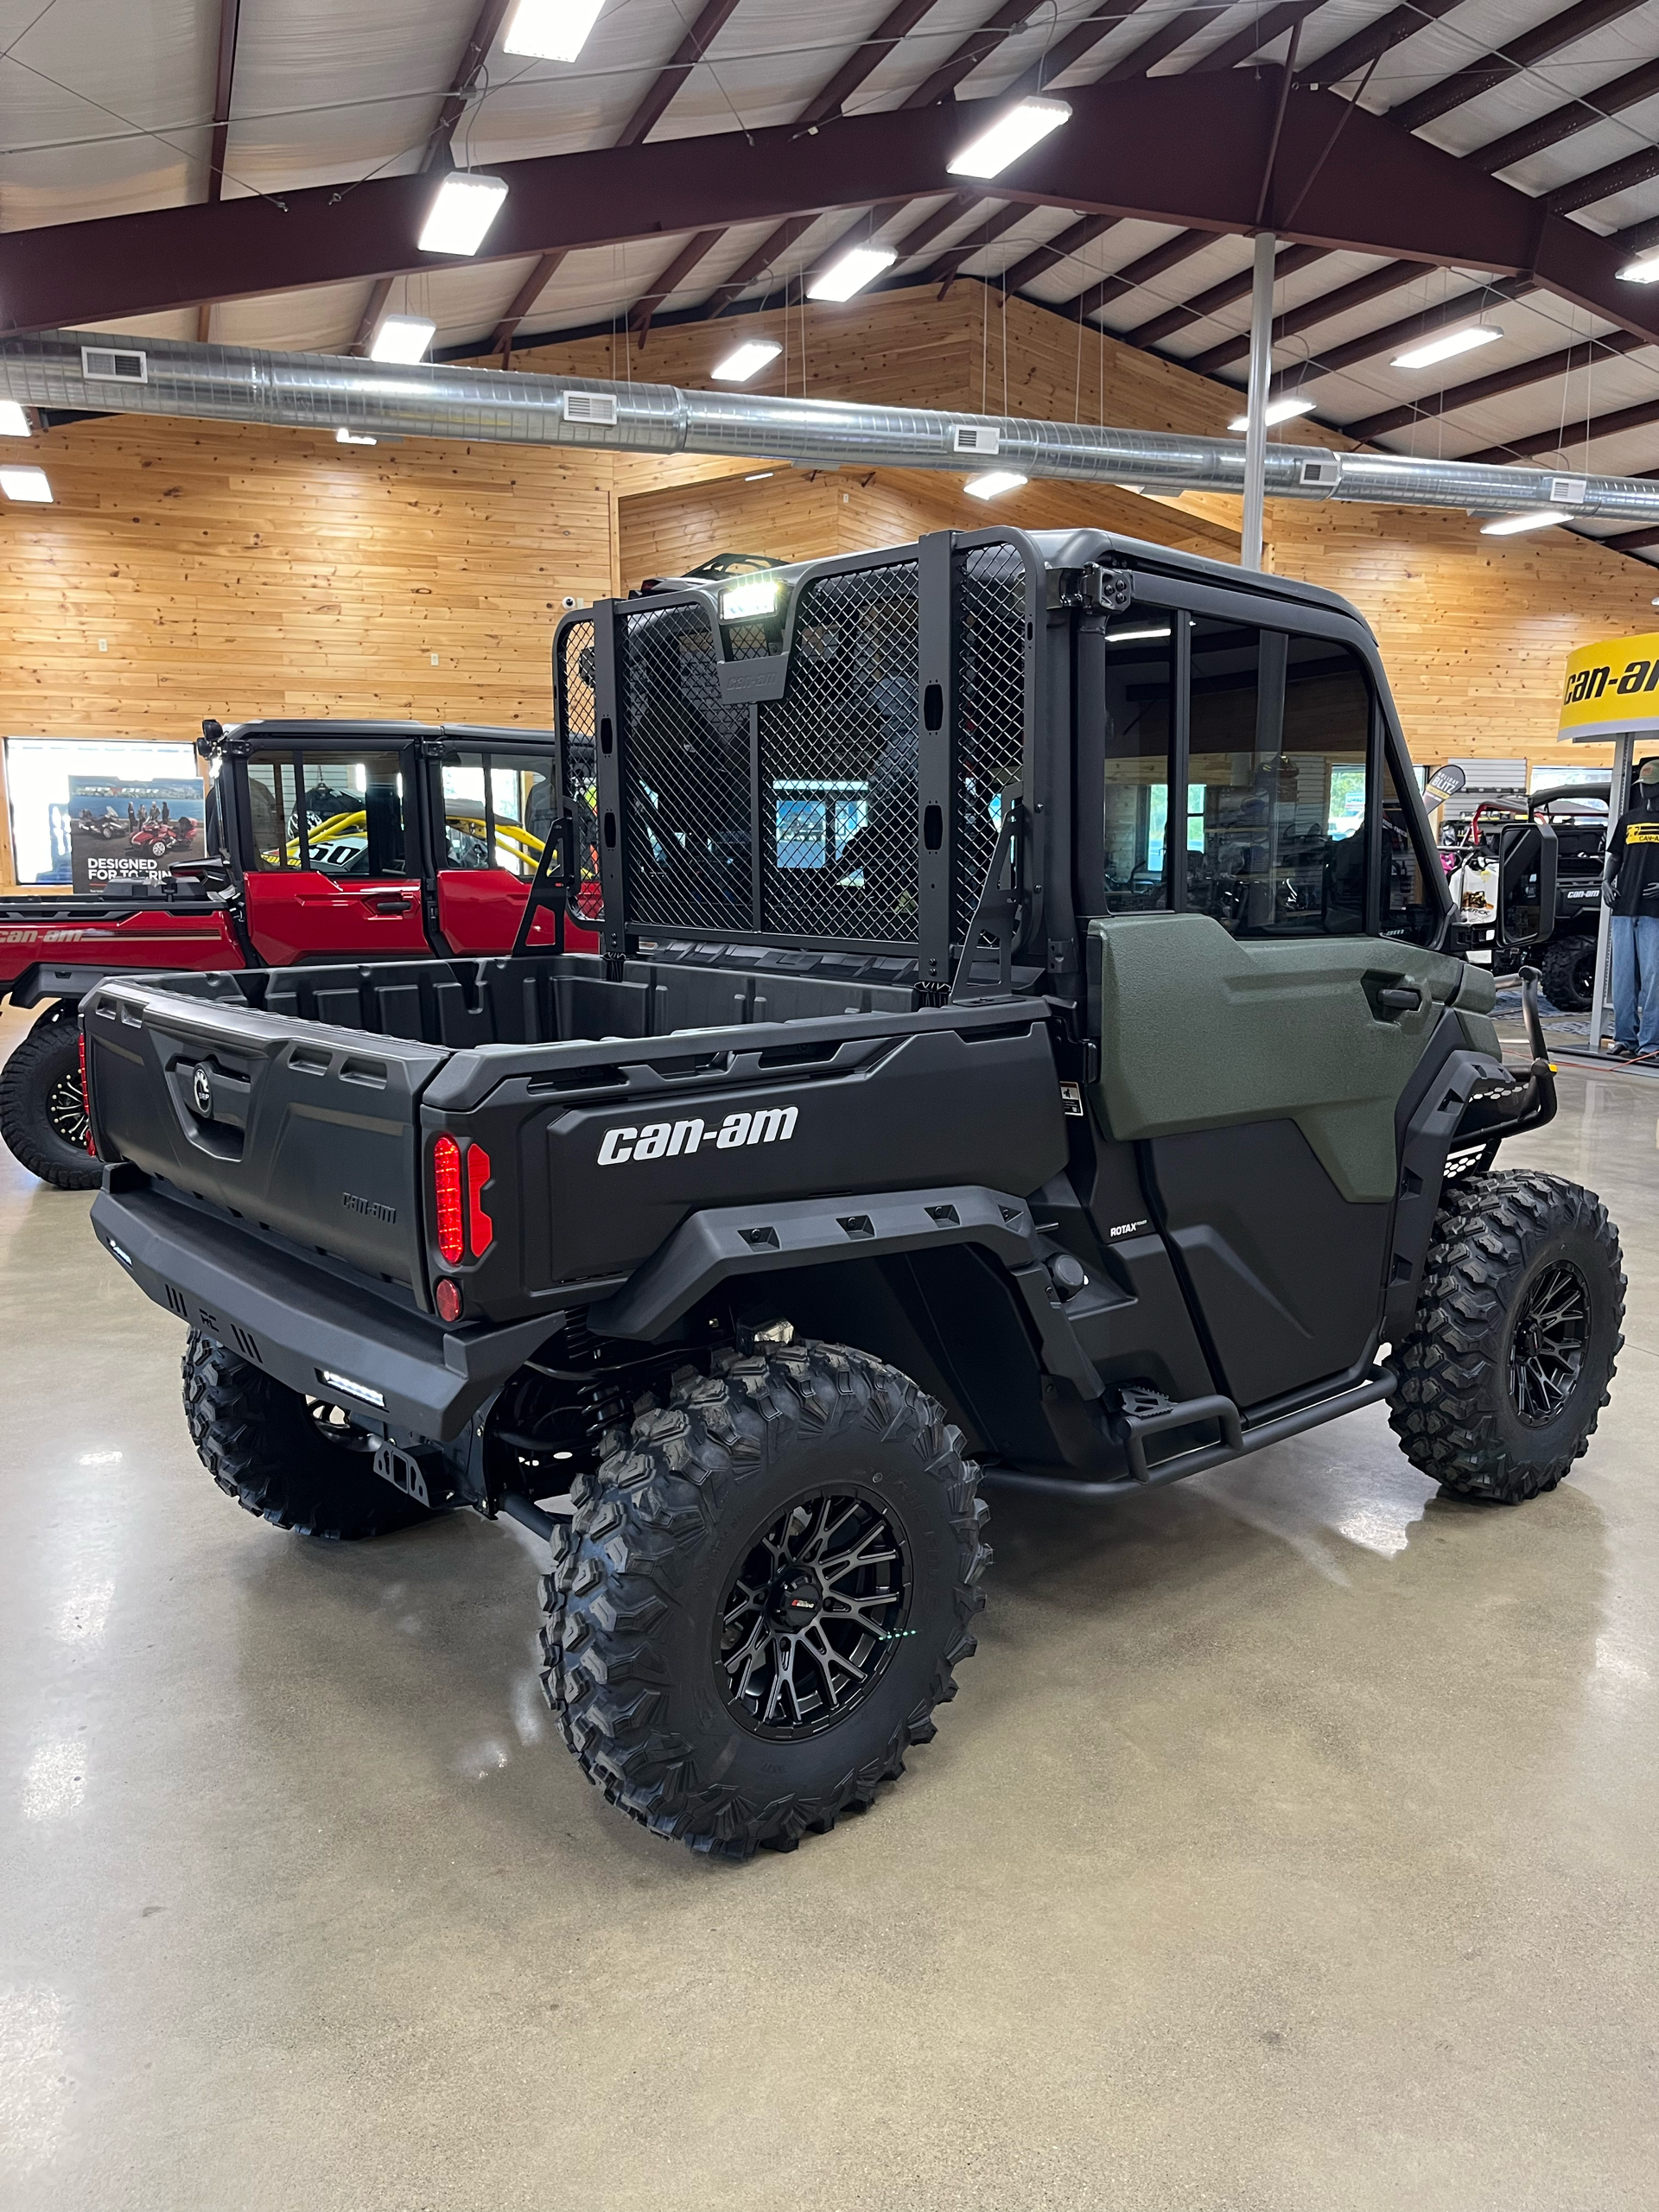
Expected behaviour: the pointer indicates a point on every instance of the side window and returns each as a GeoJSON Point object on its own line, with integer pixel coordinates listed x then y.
{"type": "Point", "coordinates": [498, 807]}
{"type": "Point", "coordinates": [1409, 910]}
{"type": "Point", "coordinates": [341, 814]}
{"type": "Point", "coordinates": [1277, 783]}
{"type": "Point", "coordinates": [1135, 795]}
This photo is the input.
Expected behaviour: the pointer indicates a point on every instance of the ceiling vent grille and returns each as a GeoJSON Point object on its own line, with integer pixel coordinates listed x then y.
{"type": "Point", "coordinates": [591, 407]}
{"type": "Point", "coordinates": [113, 363]}
{"type": "Point", "coordinates": [977, 438]}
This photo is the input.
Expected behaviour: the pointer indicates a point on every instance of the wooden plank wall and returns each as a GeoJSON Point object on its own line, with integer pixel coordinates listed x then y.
{"type": "Point", "coordinates": [189, 570]}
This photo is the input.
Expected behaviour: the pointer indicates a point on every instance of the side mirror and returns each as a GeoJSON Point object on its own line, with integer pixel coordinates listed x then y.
{"type": "Point", "coordinates": [1526, 882]}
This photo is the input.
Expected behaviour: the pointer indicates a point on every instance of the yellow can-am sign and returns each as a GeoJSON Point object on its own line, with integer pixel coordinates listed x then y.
{"type": "Point", "coordinates": [1612, 686]}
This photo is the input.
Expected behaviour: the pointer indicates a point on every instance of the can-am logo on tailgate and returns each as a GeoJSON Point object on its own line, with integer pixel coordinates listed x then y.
{"type": "Point", "coordinates": [667, 1140]}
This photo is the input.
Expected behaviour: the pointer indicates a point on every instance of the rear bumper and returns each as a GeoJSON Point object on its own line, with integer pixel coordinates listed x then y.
{"type": "Point", "coordinates": [304, 1325]}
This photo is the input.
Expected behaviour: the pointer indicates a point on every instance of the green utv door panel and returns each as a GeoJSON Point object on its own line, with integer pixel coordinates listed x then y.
{"type": "Point", "coordinates": [1200, 1031]}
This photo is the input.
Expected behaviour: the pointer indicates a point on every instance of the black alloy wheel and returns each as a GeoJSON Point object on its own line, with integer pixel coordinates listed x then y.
{"type": "Point", "coordinates": [65, 1110]}
{"type": "Point", "coordinates": [1547, 1344]}
{"type": "Point", "coordinates": [813, 1614]}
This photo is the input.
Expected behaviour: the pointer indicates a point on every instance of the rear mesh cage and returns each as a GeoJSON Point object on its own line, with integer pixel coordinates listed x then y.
{"type": "Point", "coordinates": [734, 796]}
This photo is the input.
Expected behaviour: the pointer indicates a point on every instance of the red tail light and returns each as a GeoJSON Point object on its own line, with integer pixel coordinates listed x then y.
{"type": "Point", "coordinates": [87, 1096]}
{"type": "Point", "coordinates": [480, 1229]}
{"type": "Point", "coordinates": [446, 1190]}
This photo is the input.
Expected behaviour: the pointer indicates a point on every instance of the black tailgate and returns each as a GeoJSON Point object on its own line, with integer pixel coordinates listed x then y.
{"type": "Point", "coordinates": [291, 1127]}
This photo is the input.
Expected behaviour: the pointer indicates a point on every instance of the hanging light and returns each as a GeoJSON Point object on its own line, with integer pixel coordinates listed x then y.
{"type": "Point", "coordinates": [746, 360]}
{"type": "Point", "coordinates": [29, 484]}
{"type": "Point", "coordinates": [850, 272]}
{"type": "Point", "coordinates": [464, 206]}
{"type": "Point", "coordinates": [1443, 349]}
{"type": "Point", "coordinates": [1276, 411]}
{"type": "Point", "coordinates": [1512, 525]}
{"type": "Point", "coordinates": [344, 437]}
{"type": "Point", "coordinates": [1644, 269]}
{"type": "Point", "coordinates": [14, 423]}
{"type": "Point", "coordinates": [1015, 131]}
{"type": "Point", "coordinates": [991, 483]}
{"type": "Point", "coordinates": [551, 30]}
{"type": "Point", "coordinates": [401, 338]}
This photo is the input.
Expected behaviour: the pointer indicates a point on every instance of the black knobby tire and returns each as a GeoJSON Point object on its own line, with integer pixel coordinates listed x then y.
{"type": "Point", "coordinates": [1515, 1335]}
{"type": "Point", "coordinates": [279, 1457]}
{"type": "Point", "coordinates": [1569, 973]}
{"type": "Point", "coordinates": [645, 1681]}
{"type": "Point", "coordinates": [44, 1107]}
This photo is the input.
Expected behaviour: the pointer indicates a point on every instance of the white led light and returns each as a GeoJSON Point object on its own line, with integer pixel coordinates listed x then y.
{"type": "Point", "coordinates": [353, 438]}
{"type": "Point", "coordinates": [1276, 411]}
{"type": "Point", "coordinates": [14, 423]}
{"type": "Point", "coordinates": [850, 272]}
{"type": "Point", "coordinates": [1132, 637]}
{"type": "Point", "coordinates": [1015, 131]}
{"type": "Point", "coordinates": [991, 483]}
{"type": "Point", "coordinates": [746, 360]}
{"type": "Point", "coordinates": [1511, 525]}
{"type": "Point", "coordinates": [345, 1384]}
{"type": "Point", "coordinates": [551, 30]}
{"type": "Point", "coordinates": [1443, 349]}
{"type": "Point", "coordinates": [28, 484]}
{"type": "Point", "coordinates": [1644, 269]}
{"type": "Point", "coordinates": [401, 338]}
{"type": "Point", "coordinates": [754, 595]}
{"type": "Point", "coordinates": [464, 206]}
{"type": "Point", "coordinates": [760, 476]}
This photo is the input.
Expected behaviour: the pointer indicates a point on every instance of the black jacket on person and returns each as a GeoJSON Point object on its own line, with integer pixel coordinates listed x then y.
{"type": "Point", "coordinates": [1634, 846]}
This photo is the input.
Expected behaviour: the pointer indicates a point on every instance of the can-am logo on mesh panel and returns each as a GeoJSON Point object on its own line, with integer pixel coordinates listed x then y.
{"type": "Point", "coordinates": [668, 1139]}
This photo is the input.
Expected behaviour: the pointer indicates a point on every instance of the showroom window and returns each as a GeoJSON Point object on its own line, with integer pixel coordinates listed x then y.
{"type": "Point", "coordinates": [339, 814]}
{"type": "Point", "coordinates": [498, 807]}
{"type": "Point", "coordinates": [1280, 740]}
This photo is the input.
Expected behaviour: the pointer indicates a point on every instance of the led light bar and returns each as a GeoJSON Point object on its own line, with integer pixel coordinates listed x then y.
{"type": "Point", "coordinates": [1015, 131]}
{"type": "Point", "coordinates": [463, 207]}
{"type": "Point", "coordinates": [991, 483]}
{"type": "Point", "coordinates": [343, 437]}
{"type": "Point", "coordinates": [1644, 269]}
{"type": "Point", "coordinates": [551, 30]}
{"type": "Point", "coordinates": [1444, 349]}
{"type": "Point", "coordinates": [1512, 525]}
{"type": "Point", "coordinates": [850, 272]}
{"type": "Point", "coordinates": [746, 361]}
{"type": "Point", "coordinates": [344, 1383]}
{"type": "Point", "coordinates": [28, 486]}
{"type": "Point", "coordinates": [755, 595]}
{"type": "Point", "coordinates": [401, 338]}
{"type": "Point", "coordinates": [1276, 411]}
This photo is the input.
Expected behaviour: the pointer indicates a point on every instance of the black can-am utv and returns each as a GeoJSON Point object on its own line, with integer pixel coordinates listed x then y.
{"type": "Point", "coordinates": [1021, 1041]}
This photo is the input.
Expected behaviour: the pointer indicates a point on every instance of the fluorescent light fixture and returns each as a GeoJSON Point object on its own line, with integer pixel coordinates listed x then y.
{"type": "Point", "coordinates": [742, 602]}
{"type": "Point", "coordinates": [760, 476]}
{"type": "Point", "coordinates": [1015, 131]}
{"type": "Point", "coordinates": [850, 272]}
{"type": "Point", "coordinates": [1443, 349]}
{"type": "Point", "coordinates": [14, 423]}
{"type": "Point", "coordinates": [1277, 410]}
{"type": "Point", "coordinates": [28, 483]}
{"type": "Point", "coordinates": [464, 206]}
{"type": "Point", "coordinates": [746, 360]}
{"type": "Point", "coordinates": [1134, 637]}
{"type": "Point", "coordinates": [401, 338]}
{"type": "Point", "coordinates": [551, 30]}
{"type": "Point", "coordinates": [1511, 525]}
{"type": "Point", "coordinates": [353, 438]}
{"type": "Point", "coordinates": [991, 483]}
{"type": "Point", "coordinates": [1644, 269]}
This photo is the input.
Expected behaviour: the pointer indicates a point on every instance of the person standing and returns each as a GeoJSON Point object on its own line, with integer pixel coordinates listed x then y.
{"type": "Point", "coordinates": [1631, 887]}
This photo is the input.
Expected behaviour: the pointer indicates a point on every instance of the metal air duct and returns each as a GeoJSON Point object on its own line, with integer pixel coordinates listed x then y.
{"type": "Point", "coordinates": [325, 391]}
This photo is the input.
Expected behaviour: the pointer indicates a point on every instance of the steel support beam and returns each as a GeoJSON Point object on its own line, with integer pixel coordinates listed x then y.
{"type": "Point", "coordinates": [218, 144]}
{"type": "Point", "coordinates": [1184, 150]}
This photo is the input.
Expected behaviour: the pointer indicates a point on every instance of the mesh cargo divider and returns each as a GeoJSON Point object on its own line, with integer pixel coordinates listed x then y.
{"type": "Point", "coordinates": [687, 799]}
{"type": "Point", "coordinates": [990, 687]}
{"type": "Point", "coordinates": [577, 723]}
{"type": "Point", "coordinates": [838, 758]}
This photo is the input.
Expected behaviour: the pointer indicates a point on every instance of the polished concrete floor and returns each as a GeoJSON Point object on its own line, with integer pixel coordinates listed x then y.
{"type": "Point", "coordinates": [1292, 1844]}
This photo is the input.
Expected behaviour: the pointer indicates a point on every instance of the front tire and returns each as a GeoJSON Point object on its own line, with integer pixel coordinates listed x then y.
{"type": "Point", "coordinates": [1515, 1337]}
{"type": "Point", "coordinates": [281, 1456]}
{"type": "Point", "coordinates": [1569, 973]}
{"type": "Point", "coordinates": [43, 1105]}
{"type": "Point", "coordinates": [761, 1597]}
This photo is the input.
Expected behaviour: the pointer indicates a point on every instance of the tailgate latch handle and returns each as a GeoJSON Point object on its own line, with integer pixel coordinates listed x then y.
{"type": "Point", "coordinates": [1401, 998]}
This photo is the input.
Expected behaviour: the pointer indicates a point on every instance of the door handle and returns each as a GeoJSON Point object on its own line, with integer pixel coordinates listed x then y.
{"type": "Point", "coordinates": [1401, 998]}
{"type": "Point", "coordinates": [389, 902]}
